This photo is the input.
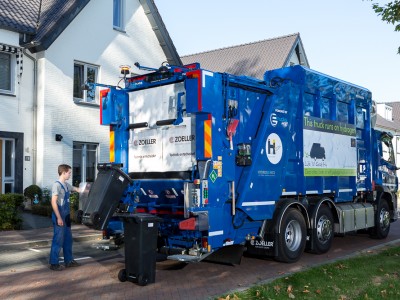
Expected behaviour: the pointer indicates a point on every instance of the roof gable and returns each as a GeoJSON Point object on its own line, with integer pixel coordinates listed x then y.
{"type": "Point", "coordinates": [55, 16]}
{"type": "Point", "coordinates": [42, 21]}
{"type": "Point", "coordinates": [251, 59]}
{"type": "Point", "coordinates": [393, 124]}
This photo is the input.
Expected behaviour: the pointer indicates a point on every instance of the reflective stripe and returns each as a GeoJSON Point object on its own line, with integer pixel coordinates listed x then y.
{"type": "Point", "coordinates": [260, 203]}
{"type": "Point", "coordinates": [112, 148]}
{"type": "Point", "coordinates": [311, 192]}
{"type": "Point", "coordinates": [288, 193]}
{"type": "Point", "coordinates": [214, 233]}
{"type": "Point", "coordinates": [207, 139]}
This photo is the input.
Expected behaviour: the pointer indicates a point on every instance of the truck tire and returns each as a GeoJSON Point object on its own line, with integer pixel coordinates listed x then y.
{"type": "Point", "coordinates": [382, 221]}
{"type": "Point", "coordinates": [322, 233]}
{"type": "Point", "coordinates": [291, 237]}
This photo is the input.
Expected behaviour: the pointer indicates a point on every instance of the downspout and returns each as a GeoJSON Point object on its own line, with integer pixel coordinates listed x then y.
{"type": "Point", "coordinates": [34, 110]}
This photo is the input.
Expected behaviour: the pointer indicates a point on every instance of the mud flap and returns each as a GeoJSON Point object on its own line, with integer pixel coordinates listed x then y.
{"type": "Point", "coordinates": [231, 255]}
{"type": "Point", "coordinates": [262, 247]}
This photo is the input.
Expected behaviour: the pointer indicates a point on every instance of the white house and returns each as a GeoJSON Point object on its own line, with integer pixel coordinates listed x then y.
{"type": "Point", "coordinates": [48, 50]}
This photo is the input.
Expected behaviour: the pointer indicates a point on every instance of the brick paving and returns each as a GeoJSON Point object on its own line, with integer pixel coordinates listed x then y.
{"type": "Point", "coordinates": [98, 279]}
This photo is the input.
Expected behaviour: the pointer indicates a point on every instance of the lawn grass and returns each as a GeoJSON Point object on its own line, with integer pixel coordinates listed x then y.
{"type": "Point", "coordinates": [372, 275]}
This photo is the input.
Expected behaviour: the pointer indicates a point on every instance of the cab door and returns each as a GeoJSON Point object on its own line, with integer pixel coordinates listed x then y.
{"type": "Point", "coordinates": [388, 165]}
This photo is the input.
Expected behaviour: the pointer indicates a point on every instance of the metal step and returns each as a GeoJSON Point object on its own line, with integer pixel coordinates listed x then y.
{"type": "Point", "coordinates": [188, 258]}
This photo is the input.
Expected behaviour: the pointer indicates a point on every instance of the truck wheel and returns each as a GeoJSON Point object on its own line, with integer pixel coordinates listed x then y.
{"type": "Point", "coordinates": [122, 275]}
{"type": "Point", "coordinates": [292, 236]}
{"type": "Point", "coordinates": [382, 221]}
{"type": "Point", "coordinates": [323, 232]}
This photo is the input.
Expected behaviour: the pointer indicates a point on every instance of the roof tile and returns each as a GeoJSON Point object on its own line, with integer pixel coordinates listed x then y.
{"type": "Point", "coordinates": [251, 59]}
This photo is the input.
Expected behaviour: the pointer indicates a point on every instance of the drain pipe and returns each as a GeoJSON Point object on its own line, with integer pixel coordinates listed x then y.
{"type": "Point", "coordinates": [34, 110]}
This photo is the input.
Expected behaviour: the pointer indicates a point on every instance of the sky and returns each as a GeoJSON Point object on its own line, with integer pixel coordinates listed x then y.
{"type": "Point", "coordinates": [341, 38]}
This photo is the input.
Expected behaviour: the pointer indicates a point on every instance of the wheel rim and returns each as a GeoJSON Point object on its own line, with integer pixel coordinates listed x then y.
{"type": "Point", "coordinates": [293, 235]}
{"type": "Point", "coordinates": [384, 219]}
{"type": "Point", "coordinates": [324, 229]}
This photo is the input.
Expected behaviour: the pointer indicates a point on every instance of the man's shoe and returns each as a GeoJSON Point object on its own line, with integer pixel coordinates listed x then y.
{"type": "Point", "coordinates": [56, 267]}
{"type": "Point", "coordinates": [72, 263]}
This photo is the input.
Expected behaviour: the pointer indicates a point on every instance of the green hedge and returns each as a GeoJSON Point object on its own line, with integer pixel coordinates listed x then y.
{"type": "Point", "coordinates": [10, 206]}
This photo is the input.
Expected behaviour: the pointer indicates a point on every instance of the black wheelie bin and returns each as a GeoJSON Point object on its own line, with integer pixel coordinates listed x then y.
{"type": "Point", "coordinates": [104, 196]}
{"type": "Point", "coordinates": [140, 235]}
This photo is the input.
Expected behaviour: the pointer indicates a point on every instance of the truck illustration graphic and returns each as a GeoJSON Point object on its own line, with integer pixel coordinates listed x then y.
{"type": "Point", "coordinates": [317, 152]}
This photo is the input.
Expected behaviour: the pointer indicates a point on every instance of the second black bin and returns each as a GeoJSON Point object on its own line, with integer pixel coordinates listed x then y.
{"type": "Point", "coordinates": [140, 237]}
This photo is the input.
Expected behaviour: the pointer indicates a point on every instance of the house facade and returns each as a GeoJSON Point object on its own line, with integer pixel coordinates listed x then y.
{"type": "Point", "coordinates": [48, 50]}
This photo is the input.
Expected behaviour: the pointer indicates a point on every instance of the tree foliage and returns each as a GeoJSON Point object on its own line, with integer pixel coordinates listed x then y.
{"type": "Point", "coordinates": [389, 13]}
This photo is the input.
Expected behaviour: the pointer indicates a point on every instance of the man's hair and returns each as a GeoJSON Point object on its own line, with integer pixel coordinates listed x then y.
{"type": "Point", "coordinates": [63, 168]}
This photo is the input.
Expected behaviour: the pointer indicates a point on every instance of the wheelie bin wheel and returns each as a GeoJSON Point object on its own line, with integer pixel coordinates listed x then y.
{"type": "Point", "coordinates": [78, 216]}
{"type": "Point", "coordinates": [142, 280]}
{"type": "Point", "coordinates": [95, 218]}
{"type": "Point", "coordinates": [122, 275]}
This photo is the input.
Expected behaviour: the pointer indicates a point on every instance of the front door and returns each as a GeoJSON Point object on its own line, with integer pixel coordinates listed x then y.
{"type": "Point", "coordinates": [7, 165]}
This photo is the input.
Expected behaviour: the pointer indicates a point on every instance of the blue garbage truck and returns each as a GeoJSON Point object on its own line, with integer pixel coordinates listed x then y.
{"type": "Point", "coordinates": [232, 164]}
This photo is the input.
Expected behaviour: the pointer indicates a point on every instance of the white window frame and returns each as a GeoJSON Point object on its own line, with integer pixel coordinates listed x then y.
{"type": "Point", "coordinates": [119, 9]}
{"type": "Point", "coordinates": [388, 113]}
{"type": "Point", "coordinates": [83, 158]}
{"type": "Point", "coordinates": [85, 99]}
{"type": "Point", "coordinates": [12, 74]}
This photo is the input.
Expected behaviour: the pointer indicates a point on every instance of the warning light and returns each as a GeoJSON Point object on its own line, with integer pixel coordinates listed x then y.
{"type": "Point", "coordinates": [125, 69]}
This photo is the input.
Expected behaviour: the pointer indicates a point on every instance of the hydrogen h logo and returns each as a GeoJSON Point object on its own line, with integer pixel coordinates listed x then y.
{"type": "Point", "coordinates": [274, 148]}
{"type": "Point", "coordinates": [271, 146]}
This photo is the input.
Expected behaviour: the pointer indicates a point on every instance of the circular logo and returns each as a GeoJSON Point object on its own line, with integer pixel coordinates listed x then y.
{"type": "Point", "coordinates": [273, 119]}
{"type": "Point", "coordinates": [274, 148]}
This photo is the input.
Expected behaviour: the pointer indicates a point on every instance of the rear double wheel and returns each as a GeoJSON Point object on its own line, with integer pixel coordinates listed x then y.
{"type": "Point", "coordinates": [322, 232]}
{"type": "Point", "coordinates": [291, 236]}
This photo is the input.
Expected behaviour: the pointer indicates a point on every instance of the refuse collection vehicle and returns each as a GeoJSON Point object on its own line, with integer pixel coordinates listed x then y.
{"type": "Point", "coordinates": [232, 163]}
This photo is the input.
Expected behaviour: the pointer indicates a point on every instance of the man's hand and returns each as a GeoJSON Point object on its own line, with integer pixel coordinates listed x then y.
{"type": "Point", "coordinates": [60, 222]}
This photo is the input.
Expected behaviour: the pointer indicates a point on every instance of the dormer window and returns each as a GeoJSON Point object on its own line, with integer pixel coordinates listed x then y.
{"type": "Point", "coordinates": [388, 113]}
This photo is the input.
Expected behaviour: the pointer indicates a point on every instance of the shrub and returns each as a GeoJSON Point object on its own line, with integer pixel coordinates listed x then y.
{"type": "Point", "coordinates": [74, 205]}
{"type": "Point", "coordinates": [9, 211]}
{"type": "Point", "coordinates": [33, 190]}
{"type": "Point", "coordinates": [43, 207]}
{"type": "Point", "coordinates": [46, 196]}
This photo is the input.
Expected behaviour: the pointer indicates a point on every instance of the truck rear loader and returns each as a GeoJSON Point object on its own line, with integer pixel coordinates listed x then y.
{"type": "Point", "coordinates": [231, 163]}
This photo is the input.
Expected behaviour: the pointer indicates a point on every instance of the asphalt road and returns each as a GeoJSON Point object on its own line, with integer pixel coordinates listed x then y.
{"type": "Point", "coordinates": [24, 274]}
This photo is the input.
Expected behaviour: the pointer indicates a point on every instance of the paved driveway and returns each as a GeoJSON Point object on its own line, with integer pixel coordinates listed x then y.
{"type": "Point", "coordinates": [97, 278]}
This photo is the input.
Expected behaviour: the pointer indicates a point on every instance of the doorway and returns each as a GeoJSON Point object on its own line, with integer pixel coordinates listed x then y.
{"type": "Point", "coordinates": [7, 166]}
